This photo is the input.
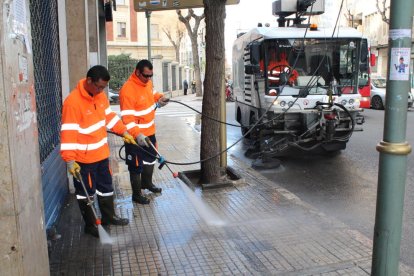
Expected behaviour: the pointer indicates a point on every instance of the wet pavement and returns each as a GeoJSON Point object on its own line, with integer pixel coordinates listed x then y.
{"type": "Point", "coordinates": [267, 231]}
{"type": "Point", "coordinates": [344, 186]}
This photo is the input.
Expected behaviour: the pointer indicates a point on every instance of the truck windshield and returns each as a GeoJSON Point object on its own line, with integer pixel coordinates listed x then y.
{"type": "Point", "coordinates": [315, 65]}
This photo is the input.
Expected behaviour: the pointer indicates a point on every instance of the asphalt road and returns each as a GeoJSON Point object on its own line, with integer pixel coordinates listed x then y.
{"type": "Point", "coordinates": [343, 186]}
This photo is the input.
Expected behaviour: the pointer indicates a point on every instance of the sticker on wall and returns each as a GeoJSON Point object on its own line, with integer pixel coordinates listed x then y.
{"type": "Point", "coordinates": [400, 33]}
{"type": "Point", "coordinates": [399, 64]}
{"type": "Point", "coordinates": [142, 4]}
{"type": "Point", "coordinates": [23, 111]}
{"type": "Point", "coordinates": [176, 3]}
{"type": "Point", "coordinates": [164, 3]}
{"type": "Point", "coordinates": [19, 17]}
{"type": "Point", "coordinates": [23, 68]}
{"type": "Point", "coordinates": [154, 2]}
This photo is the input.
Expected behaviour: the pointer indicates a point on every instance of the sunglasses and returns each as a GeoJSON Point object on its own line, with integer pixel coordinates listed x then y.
{"type": "Point", "coordinates": [98, 87]}
{"type": "Point", "coordinates": [146, 76]}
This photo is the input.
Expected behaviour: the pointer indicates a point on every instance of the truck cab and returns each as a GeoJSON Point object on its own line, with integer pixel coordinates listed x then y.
{"type": "Point", "coordinates": [302, 84]}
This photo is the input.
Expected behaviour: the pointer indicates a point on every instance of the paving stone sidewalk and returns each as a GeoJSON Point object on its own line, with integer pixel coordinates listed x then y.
{"type": "Point", "coordinates": [267, 231]}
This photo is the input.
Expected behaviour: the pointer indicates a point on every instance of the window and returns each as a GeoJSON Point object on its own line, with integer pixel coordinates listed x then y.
{"type": "Point", "coordinates": [155, 31]}
{"type": "Point", "coordinates": [121, 29]}
{"type": "Point", "coordinates": [318, 63]}
{"type": "Point", "coordinates": [120, 2]}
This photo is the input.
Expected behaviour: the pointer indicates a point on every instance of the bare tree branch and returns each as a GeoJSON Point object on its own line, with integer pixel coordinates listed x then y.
{"type": "Point", "coordinates": [383, 11]}
{"type": "Point", "coordinates": [348, 15]}
{"type": "Point", "coordinates": [167, 32]}
{"type": "Point", "coordinates": [193, 34]}
{"type": "Point", "coordinates": [175, 41]}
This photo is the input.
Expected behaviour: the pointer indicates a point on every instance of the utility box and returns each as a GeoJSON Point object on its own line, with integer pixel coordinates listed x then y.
{"type": "Point", "coordinates": [287, 7]}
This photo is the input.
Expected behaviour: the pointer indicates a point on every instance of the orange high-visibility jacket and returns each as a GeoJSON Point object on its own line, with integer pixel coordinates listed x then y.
{"type": "Point", "coordinates": [84, 122]}
{"type": "Point", "coordinates": [137, 100]}
{"type": "Point", "coordinates": [276, 71]}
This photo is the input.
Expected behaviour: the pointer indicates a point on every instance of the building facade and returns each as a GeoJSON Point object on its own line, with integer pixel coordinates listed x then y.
{"type": "Point", "coordinates": [47, 47]}
{"type": "Point", "coordinates": [365, 16]}
{"type": "Point", "coordinates": [127, 33]}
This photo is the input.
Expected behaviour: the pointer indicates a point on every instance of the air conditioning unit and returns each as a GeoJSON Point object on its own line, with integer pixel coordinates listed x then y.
{"type": "Point", "coordinates": [287, 7]}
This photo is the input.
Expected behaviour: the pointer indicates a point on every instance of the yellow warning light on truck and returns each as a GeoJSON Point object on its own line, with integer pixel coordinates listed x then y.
{"type": "Point", "coordinates": [313, 27]}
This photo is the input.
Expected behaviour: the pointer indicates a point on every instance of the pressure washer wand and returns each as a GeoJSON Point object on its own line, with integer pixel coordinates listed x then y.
{"type": "Point", "coordinates": [162, 161]}
{"type": "Point", "coordinates": [90, 202]}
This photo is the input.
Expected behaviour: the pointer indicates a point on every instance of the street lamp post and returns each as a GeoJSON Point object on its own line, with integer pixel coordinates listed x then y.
{"type": "Point", "coordinates": [148, 16]}
{"type": "Point", "coordinates": [393, 148]}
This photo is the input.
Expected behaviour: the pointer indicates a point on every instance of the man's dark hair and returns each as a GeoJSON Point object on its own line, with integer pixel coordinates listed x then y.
{"type": "Point", "coordinates": [142, 64]}
{"type": "Point", "coordinates": [98, 72]}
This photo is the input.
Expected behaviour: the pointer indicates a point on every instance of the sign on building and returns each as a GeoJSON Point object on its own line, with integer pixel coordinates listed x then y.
{"type": "Point", "coordinates": [160, 5]}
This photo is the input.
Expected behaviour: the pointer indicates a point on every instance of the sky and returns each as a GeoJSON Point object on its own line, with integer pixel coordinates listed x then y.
{"type": "Point", "coordinates": [245, 16]}
{"type": "Point", "coordinates": [248, 13]}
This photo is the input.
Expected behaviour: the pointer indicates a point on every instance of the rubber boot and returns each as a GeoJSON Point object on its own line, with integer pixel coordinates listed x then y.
{"type": "Point", "coordinates": [88, 217]}
{"type": "Point", "coordinates": [106, 205]}
{"type": "Point", "coordinates": [146, 175]}
{"type": "Point", "coordinates": [136, 189]}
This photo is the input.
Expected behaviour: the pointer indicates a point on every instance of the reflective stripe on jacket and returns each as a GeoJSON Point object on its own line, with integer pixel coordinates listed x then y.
{"type": "Point", "coordinates": [84, 122]}
{"type": "Point", "coordinates": [137, 100]}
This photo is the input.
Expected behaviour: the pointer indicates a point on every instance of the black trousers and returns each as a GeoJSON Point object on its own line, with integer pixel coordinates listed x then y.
{"type": "Point", "coordinates": [97, 178]}
{"type": "Point", "coordinates": [136, 157]}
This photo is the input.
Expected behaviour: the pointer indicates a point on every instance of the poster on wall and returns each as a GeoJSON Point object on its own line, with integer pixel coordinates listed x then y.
{"type": "Point", "coordinates": [19, 23]}
{"type": "Point", "coordinates": [19, 17]}
{"type": "Point", "coordinates": [399, 64]}
{"type": "Point", "coordinates": [23, 69]}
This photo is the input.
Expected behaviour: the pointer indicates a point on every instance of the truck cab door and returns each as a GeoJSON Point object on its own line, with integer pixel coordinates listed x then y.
{"type": "Point", "coordinates": [253, 67]}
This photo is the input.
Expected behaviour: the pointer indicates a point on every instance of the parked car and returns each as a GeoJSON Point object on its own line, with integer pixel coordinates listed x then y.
{"type": "Point", "coordinates": [378, 89]}
{"type": "Point", "coordinates": [113, 96]}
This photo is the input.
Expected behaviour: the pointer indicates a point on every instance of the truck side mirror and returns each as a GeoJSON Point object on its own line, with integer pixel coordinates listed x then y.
{"type": "Point", "coordinates": [254, 53]}
{"type": "Point", "coordinates": [250, 69]}
{"type": "Point", "coordinates": [372, 59]}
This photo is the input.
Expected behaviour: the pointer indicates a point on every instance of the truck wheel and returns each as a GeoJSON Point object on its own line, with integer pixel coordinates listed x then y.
{"type": "Point", "coordinates": [333, 148]}
{"type": "Point", "coordinates": [333, 153]}
{"type": "Point", "coordinates": [376, 103]}
{"type": "Point", "coordinates": [244, 131]}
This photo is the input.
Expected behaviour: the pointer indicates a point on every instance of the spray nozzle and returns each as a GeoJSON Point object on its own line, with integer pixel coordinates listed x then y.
{"type": "Point", "coordinates": [161, 159]}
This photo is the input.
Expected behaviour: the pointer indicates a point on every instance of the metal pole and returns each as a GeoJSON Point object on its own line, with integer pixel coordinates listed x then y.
{"type": "Point", "coordinates": [223, 128]}
{"type": "Point", "coordinates": [394, 148]}
{"type": "Point", "coordinates": [148, 16]}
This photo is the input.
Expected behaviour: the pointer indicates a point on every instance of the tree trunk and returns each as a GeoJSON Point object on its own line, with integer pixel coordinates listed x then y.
{"type": "Point", "coordinates": [193, 33]}
{"type": "Point", "coordinates": [215, 12]}
{"type": "Point", "coordinates": [175, 42]}
{"type": "Point", "coordinates": [196, 64]}
{"type": "Point", "coordinates": [177, 54]}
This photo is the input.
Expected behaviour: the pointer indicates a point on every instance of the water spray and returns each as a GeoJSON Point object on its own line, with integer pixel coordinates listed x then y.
{"type": "Point", "coordinates": [103, 235]}
{"type": "Point", "coordinates": [205, 212]}
{"type": "Point", "coordinates": [161, 159]}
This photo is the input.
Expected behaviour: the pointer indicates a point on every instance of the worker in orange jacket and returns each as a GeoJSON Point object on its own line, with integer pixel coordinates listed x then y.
{"type": "Point", "coordinates": [138, 102]}
{"type": "Point", "coordinates": [84, 145]}
{"type": "Point", "coordinates": [279, 68]}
